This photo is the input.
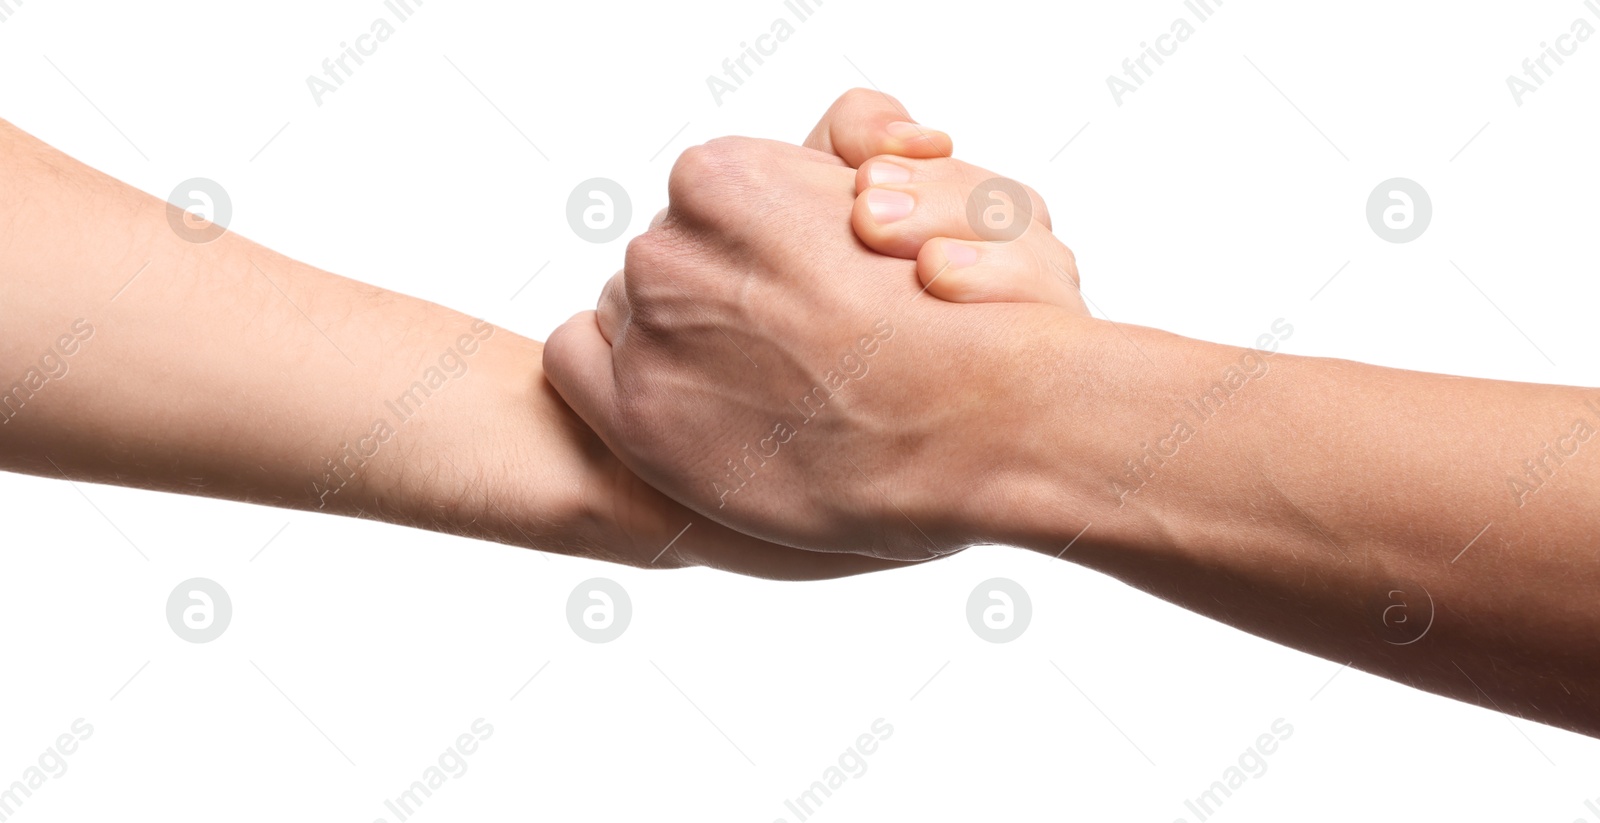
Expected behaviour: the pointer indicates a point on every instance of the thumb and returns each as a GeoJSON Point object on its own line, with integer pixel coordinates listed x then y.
{"type": "Point", "coordinates": [577, 362]}
{"type": "Point", "coordinates": [865, 123]}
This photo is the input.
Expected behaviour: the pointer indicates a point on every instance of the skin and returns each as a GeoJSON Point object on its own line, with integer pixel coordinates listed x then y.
{"type": "Point", "coordinates": [1364, 514]}
{"type": "Point", "coordinates": [224, 369]}
{"type": "Point", "coordinates": [990, 408]}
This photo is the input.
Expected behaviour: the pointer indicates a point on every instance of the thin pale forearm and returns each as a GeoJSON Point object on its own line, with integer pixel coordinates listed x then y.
{"type": "Point", "coordinates": [227, 370]}
{"type": "Point", "coordinates": [224, 369]}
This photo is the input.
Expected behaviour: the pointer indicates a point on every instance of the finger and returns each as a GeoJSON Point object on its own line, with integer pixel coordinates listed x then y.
{"type": "Point", "coordinates": [863, 123]}
{"type": "Point", "coordinates": [577, 362]}
{"type": "Point", "coordinates": [1035, 268]}
{"type": "Point", "coordinates": [956, 174]}
{"type": "Point", "coordinates": [898, 219]}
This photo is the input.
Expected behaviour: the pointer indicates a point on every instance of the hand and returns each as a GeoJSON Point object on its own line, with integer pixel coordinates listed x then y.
{"type": "Point", "coordinates": [976, 237]}
{"type": "Point", "coordinates": [616, 517]}
{"type": "Point", "coordinates": [497, 456]}
{"type": "Point", "coordinates": [865, 123]}
{"type": "Point", "coordinates": [634, 520]}
{"type": "Point", "coordinates": [756, 363]}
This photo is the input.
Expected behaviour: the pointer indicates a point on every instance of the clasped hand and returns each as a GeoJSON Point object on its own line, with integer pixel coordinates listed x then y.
{"type": "Point", "coordinates": [819, 345]}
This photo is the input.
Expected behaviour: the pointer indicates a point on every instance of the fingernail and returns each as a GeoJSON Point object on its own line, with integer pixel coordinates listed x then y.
{"type": "Point", "coordinates": [902, 130]}
{"type": "Point", "coordinates": [958, 255]}
{"type": "Point", "coordinates": [885, 172]}
{"type": "Point", "coordinates": [888, 205]}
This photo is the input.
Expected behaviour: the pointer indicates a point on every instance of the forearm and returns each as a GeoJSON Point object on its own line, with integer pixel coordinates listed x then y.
{"type": "Point", "coordinates": [1364, 514]}
{"type": "Point", "coordinates": [133, 356]}
{"type": "Point", "coordinates": [130, 355]}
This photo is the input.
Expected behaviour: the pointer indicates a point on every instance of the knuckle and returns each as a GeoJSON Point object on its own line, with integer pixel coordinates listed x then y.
{"type": "Point", "coordinates": [692, 166]}
{"type": "Point", "coordinates": [556, 341]}
{"type": "Point", "coordinates": [1041, 210]}
{"type": "Point", "coordinates": [614, 294]}
{"type": "Point", "coordinates": [646, 255]}
{"type": "Point", "coordinates": [1059, 261]}
{"type": "Point", "coordinates": [727, 143]}
{"type": "Point", "coordinates": [660, 267]}
{"type": "Point", "coordinates": [855, 98]}
{"type": "Point", "coordinates": [717, 186]}
{"type": "Point", "coordinates": [648, 259]}
{"type": "Point", "coordinates": [704, 174]}
{"type": "Point", "coordinates": [713, 157]}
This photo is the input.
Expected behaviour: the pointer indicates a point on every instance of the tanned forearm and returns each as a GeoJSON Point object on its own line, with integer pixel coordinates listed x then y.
{"type": "Point", "coordinates": [1436, 530]}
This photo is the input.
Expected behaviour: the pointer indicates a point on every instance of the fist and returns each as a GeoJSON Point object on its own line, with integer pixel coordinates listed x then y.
{"type": "Point", "coordinates": [759, 364]}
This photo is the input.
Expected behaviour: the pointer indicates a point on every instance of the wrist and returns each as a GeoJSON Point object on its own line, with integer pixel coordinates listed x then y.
{"type": "Point", "coordinates": [466, 437]}
{"type": "Point", "coordinates": [1076, 467]}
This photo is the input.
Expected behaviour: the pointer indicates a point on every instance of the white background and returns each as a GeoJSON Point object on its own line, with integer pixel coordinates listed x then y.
{"type": "Point", "coordinates": [1205, 204]}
